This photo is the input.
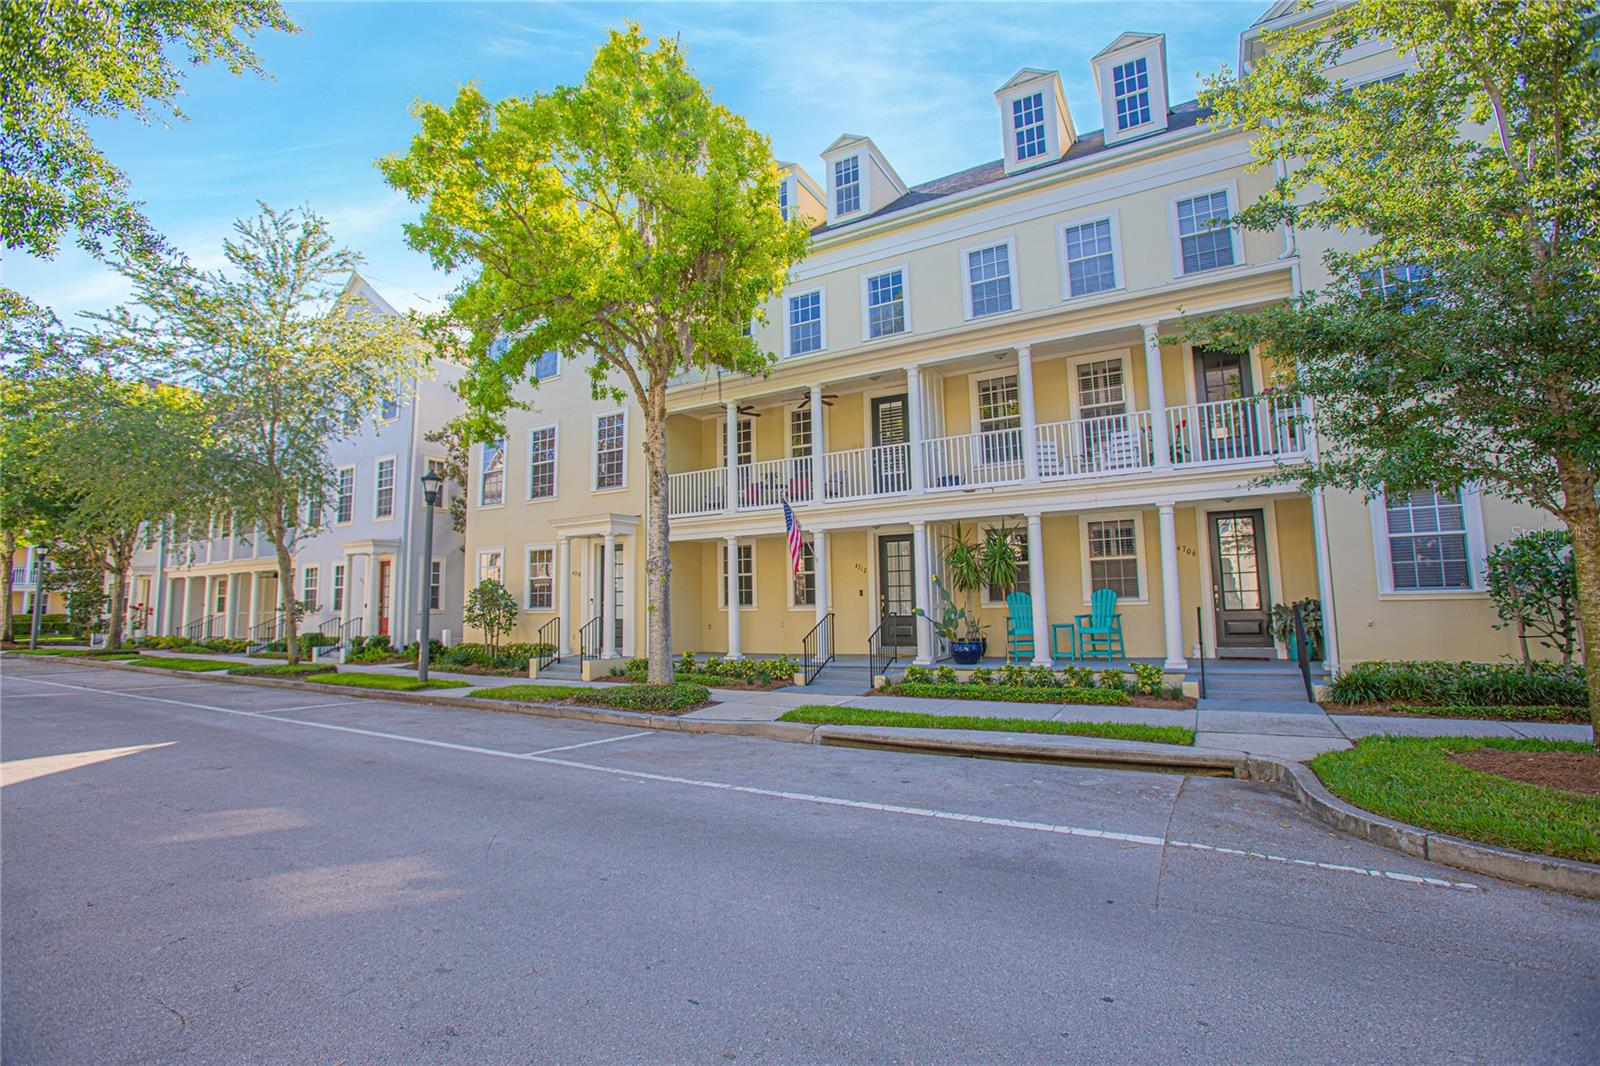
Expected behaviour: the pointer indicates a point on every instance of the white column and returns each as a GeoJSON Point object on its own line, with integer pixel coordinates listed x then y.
{"type": "Point", "coordinates": [731, 546]}
{"type": "Point", "coordinates": [819, 552]}
{"type": "Point", "coordinates": [1171, 593]}
{"type": "Point", "coordinates": [1157, 386]}
{"type": "Point", "coordinates": [914, 426]}
{"type": "Point", "coordinates": [818, 445]}
{"type": "Point", "coordinates": [255, 602]}
{"type": "Point", "coordinates": [731, 467]}
{"type": "Point", "coordinates": [920, 590]}
{"type": "Point", "coordinates": [1037, 578]}
{"type": "Point", "coordinates": [608, 592]}
{"type": "Point", "coordinates": [563, 592]}
{"type": "Point", "coordinates": [1030, 444]}
{"type": "Point", "coordinates": [1319, 534]}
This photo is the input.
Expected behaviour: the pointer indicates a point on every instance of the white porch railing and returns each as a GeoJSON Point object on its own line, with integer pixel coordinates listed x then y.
{"type": "Point", "coordinates": [771, 481]}
{"type": "Point", "coordinates": [860, 473]}
{"type": "Point", "coordinates": [1253, 427]}
{"type": "Point", "coordinates": [21, 575]}
{"type": "Point", "coordinates": [992, 458]}
{"type": "Point", "coordinates": [697, 492]}
{"type": "Point", "coordinates": [1084, 447]}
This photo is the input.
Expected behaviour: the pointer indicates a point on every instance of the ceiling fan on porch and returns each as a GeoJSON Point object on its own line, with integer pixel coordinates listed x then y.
{"type": "Point", "coordinates": [805, 401]}
{"type": "Point", "coordinates": [748, 412]}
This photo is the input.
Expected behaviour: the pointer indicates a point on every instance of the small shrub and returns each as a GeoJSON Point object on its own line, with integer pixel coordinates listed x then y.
{"type": "Point", "coordinates": [917, 675]}
{"type": "Point", "coordinates": [678, 696]}
{"type": "Point", "coordinates": [1147, 679]}
{"type": "Point", "coordinates": [1113, 680]}
{"type": "Point", "coordinates": [1172, 692]}
{"type": "Point", "coordinates": [1013, 676]}
{"type": "Point", "coordinates": [981, 676]}
{"type": "Point", "coordinates": [1041, 677]}
{"type": "Point", "coordinates": [1481, 684]}
{"type": "Point", "coordinates": [282, 670]}
{"type": "Point", "coordinates": [945, 675]}
{"type": "Point", "coordinates": [1011, 693]}
{"type": "Point", "coordinates": [1077, 677]}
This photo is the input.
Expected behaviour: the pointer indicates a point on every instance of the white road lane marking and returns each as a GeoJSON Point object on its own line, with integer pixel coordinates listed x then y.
{"type": "Point", "coordinates": [592, 743]}
{"type": "Point", "coordinates": [312, 707]}
{"type": "Point", "coordinates": [828, 801]}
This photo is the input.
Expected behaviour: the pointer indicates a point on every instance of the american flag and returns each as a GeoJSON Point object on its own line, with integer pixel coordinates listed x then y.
{"type": "Point", "coordinates": [791, 526]}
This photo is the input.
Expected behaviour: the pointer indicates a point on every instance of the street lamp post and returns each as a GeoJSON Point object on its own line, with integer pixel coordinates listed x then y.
{"type": "Point", "coordinates": [432, 483]}
{"type": "Point", "coordinates": [38, 597]}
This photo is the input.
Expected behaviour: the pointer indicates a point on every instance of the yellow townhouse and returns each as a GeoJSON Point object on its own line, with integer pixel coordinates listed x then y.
{"type": "Point", "coordinates": [999, 347]}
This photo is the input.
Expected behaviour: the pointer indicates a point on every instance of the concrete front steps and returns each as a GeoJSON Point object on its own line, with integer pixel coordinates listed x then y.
{"type": "Point", "coordinates": [1270, 686]}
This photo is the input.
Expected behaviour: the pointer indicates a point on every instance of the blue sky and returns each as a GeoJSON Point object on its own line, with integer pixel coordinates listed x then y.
{"type": "Point", "coordinates": [916, 77]}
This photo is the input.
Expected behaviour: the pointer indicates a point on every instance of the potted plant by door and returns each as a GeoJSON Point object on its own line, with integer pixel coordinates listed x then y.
{"type": "Point", "coordinates": [961, 632]}
{"type": "Point", "coordinates": [1283, 626]}
{"type": "Point", "coordinates": [965, 573]}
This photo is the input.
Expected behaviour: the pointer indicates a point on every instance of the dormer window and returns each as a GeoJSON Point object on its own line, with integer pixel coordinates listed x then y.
{"type": "Point", "coordinates": [1027, 120]}
{"type": "Point", "coordinates": [783, 198]}
{"type": "Point", "coordinates": [847, 185]}
{"type": "Point", "coordinates": [1130, 84]}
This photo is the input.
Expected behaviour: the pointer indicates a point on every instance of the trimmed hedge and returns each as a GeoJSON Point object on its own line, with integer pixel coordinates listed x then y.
{"type": "Point", "coordinates": [1154, 734]}
{"type": "Point", "coordinates": [189, 665]}
{"type": "Point", "coordinates": [1512, 713]}
{"type": "Point", "coordinates": [385, 682]}
{"type": "Point", "coordinates": [712, 671]}
{"type": "Point", "coordinates": [957, 690]}
{"type": "Point", "coordinates": [1460, 684]}
{"type": "Point", "coordinates": [652, 699]}
{"type": "Point", "coordinates": [283, 670]}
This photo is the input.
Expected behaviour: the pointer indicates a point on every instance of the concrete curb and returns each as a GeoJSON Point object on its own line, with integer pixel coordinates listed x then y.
{"type": "Point", "coordinates": [1540, 871]}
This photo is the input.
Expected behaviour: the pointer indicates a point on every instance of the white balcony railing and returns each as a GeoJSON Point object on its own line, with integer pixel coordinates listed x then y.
{"type": "Point", "coordinates": [770, 482]}
{"type": "Point", "coordinates": [861, 473]}
{"type": "Point", "coordinates": [697, 492]}
{"type": "Point", "coordinates": [1227, 431]}
{"type": "Point", "coordinates": [1086, 447]}
{"type": "Point", "coordinates": [993, 458]}
{"type": "Point", "coordinates": [21, 575]}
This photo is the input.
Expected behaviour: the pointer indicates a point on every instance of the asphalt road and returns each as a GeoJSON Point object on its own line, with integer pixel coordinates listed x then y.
{"type": "Point", "coordinates": [200, 872]}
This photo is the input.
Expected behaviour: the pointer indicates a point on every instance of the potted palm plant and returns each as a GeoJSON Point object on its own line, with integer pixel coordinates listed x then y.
{"type": "Point", "coordinates": [965, 573]}
{"type": "Point", "coordinates": [998, 562]}
{"type": "Point", "coordinates": [952, 626]}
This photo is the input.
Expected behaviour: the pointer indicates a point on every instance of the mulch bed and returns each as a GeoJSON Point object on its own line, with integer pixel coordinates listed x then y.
{"type": "Point", "coordinates": [1571, 771]}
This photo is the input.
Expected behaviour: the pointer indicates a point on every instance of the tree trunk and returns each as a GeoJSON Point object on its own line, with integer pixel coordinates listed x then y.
{"type": "Point", "coordinates": [291, 638]}
{"type": "Point", "coordinates": [658, 556]}
{"type": "Point", "coordinates": [121, 561]}
{"type": "Point", "coordinates": [8, 544]}
{"type": "Point", "coordinates": [1582, 517]}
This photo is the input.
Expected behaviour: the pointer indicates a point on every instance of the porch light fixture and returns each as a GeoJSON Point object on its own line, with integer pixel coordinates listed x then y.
{"type": "Point", "coordinates": [432, 484]}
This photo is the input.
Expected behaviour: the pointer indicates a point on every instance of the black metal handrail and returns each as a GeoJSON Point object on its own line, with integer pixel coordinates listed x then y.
{"type": "Point", "coordinates": [264, 633]}
{"type": "Point", "coordinates": [1303, 651]}
{"type": "Point", "coordinates": [547, 639]}
{"type": "Point", "coordinates": [200, 628]}
{"type": "Point", "coordinates": [816, 648]}
{"type": "Point", "coordinates": [589, 640]}
{"type": "Point", "coordinates": [881, 656]}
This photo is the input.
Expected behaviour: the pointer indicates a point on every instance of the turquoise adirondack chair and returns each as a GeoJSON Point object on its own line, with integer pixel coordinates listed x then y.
{"type": "Point", "coordinates": [1019, 626]}
{"type": "Point", "coordinates": [1100, 631]}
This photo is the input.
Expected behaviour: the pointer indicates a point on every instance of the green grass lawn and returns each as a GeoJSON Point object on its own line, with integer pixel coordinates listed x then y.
{"type": "Point", "coordinates": [1413, 780]}
{"type": "Point", "coordinates": [386, 682]}
{"type": "Point", "coordinates": [82, 653]}
{"type": "Point", "coordinates": [1155, 734]}
{"type": "Point", "coordinates": [654, 699]}
{"type": "Point", "coordinates": [193, 665]}
{"type": "Point", "coordinates": [283, 670]}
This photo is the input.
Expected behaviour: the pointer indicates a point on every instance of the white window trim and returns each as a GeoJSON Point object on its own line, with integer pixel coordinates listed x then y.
{"type": "Point", "coordinates": [1075, 396]}
{"type": "Point", "coordinates": [555, 481]}
{"type": "Point", "coordinates": [306, 572]}
{"type": "Point", "coordinates": [477, 572]}
{"type": "Point", "coordinates": [505, 467]}
{"type": "Point", "coordinates": [594, 460]}
{"type": "Point", "coordinates": [444, 489]}
{"type": "Point", "coordinates": [966, 278]}
{"type": "Point", "coordinates": [381, 420]}
{"type": "Point", "coordinates": [822, 321]}
{"type": "Point", "coordinates": [789, 411]}
{"type": "Point", "coordinates": [722, 439]}
{"type": "Point", "coordinates": [1118, 282]}
{"type": "Point", "coordinates": [341, 570]}
{"type": "Point", "coordinates": [786, 197]}
{"type": "Point", "coordinates": [1141, 555]}
{"type": "Point", "coordinates": [1052, 124]}
{"type": "Point", "coordinates": [444, 577]}
{"type": "Point", "coordinates": [789, 584]}
{"type": "Point", "coordinates": [1477, 550]}
{"type": "Point", "coordinates": [975, 380]}
{"type": "Point", "coordinates": [234, 532]}
{"type": "Point", "coordinates": [905, 302]}
{"type": "Point", "coordinates": [527, 577]}
{"type": "Point", "coordinates": [561, 362]}
{"type": "Point", "coordinates": [394, 488]}
{"type": "Point", "coordinates": [1230, 187]}
{"type": "Point", "coordinates": [1152, 72]}
{"type": "Point", "coordinates": [986, 595]}
{"type": "Point", "coordinates": [755, 573]}
{"type": "Point", "coordinates": [862, 183]}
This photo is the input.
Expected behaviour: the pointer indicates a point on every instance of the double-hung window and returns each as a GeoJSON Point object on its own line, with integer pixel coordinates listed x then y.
{"type": "Point", "coordinates": [541, 582]}
{"type": "Point", "coordinates": [1000, 419]}
{"type": "Point", "coordinates": [744, 434]}
{"type": "Point", "coordinates": [1114, 557]}
{"type": "Point", "coordinates": [1091, 263]}
{"type": "Point", "coordinates": [747, 576]}
{"type": "Point", "coordinates": [1019, 544]}
{"type": "Point", "coordinates": [805, 322]}
{"type": "Point", "coordinates": [435, 584]}
{"type": "Point", "coordinates": [1027, 124]}
{"type": "Point", "coordinates": [490, 565]}
{"type": "Point", "coordinates": [989, 280]}
{"type": "Point", "coordinates": [1427, 535]}
{"type": "Point", "coordinates": [345, 509]}
{"type": "Point", "coordinates": [1101, 389]}
{"type": "Point", "coordinates": [886, 303]}
{"type": "Point", "coordinates": [1204, 240]}
{"type": "Point", "coordinates": [220, 603]}
{"type": "Point", "coordinates": [338, 586]}
{"type": "Point", "coordinates": [389, 410]}
{"type": "Point", "coordinates": [542, 463]}
{"type": "Point", "coordinates": [440, 467]}
{"type": "Point", "coordinates": [1130, 85]}
{"type": "Point", "coordinates": [847, 185]}
{"type": "Point", "coordinates": [492, 479]}
{"type": "Point", "coordinates": [800, 433]}
{"type": "Point", "coordinates": [308, 589]}
{"type": "Point", "coordinates": [805, 578]}
{"type": "Point", "coordinates": [1406, 280]}
{"type": "Point", "coordinates": [548, 365]}
{"type": "Point", "coordinates": [383, 506]}
{"type": "Point", "coordinates": [783, 198]}
{"type": "Point", "coordinates": [610, 444]}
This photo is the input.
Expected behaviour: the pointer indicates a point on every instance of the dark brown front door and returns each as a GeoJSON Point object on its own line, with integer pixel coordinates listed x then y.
{"type": "Point", "coordinates": [891, 466]}
{"type": "Point", "coordinates": [895, 599]}
{"type": "Point", "coordinates": [1239, 579]}
{"type": "Point", "coordinates": [1227, 430]}
{"type": "Point", "coordinates": [384, 567]}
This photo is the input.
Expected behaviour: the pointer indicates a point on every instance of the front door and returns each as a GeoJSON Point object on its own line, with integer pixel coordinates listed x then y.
{"type": "Point", "coordinates": [1239, 579]}
{"type": "Point", "coordinates": [895, 596]}
{"type": "Point", "coordinates": [891, 466]}
{"type": "Point", "coordinates": [1226, 430]}
{"type": "Point", "coordinates": [608, 608]}
{"type": "Point", "coordinates": [384, 567]}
